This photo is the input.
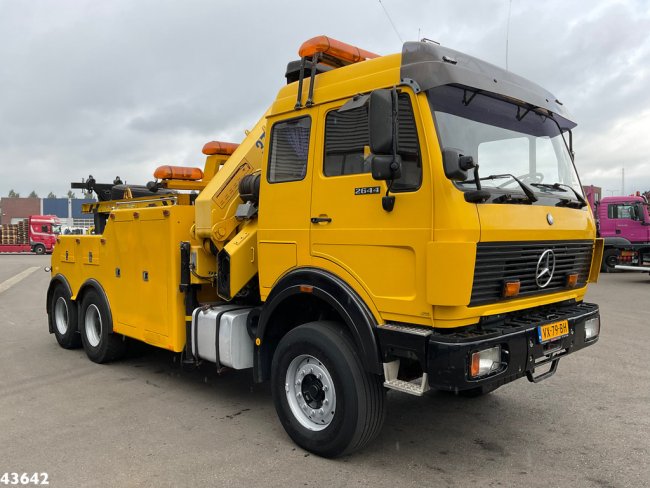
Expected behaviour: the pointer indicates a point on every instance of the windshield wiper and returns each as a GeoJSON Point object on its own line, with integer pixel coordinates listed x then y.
{"type": "Point", "coordinates": [561, 187]}
{"type": "Point", "coordinates": [548, 186]}
{"type": "Point", "coordinates": [527, 191]}
{"type": "Point", "coordinates": [580, 198]}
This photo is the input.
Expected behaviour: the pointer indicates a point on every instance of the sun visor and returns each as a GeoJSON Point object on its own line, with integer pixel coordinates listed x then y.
{"type": "Point", "coordinates": [430, 65]}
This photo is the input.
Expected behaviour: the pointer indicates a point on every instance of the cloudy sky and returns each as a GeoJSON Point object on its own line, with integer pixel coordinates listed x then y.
{"type": "Point", "coordinates": [119, 87]}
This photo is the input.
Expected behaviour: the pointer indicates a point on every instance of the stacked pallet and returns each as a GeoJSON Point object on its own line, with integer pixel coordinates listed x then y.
{"type": "Point", "coordinates": [15, 234]}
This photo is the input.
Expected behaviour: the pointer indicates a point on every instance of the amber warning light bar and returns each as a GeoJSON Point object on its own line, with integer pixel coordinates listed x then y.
{"type": "Point", "coordinates": [329, 52]}
{"type": "Point", "coordinates": [216, 147]}
{"type": "Point", "coordinates": [333, 52]}
{"type": "Point", "coordinates": [178, 173]}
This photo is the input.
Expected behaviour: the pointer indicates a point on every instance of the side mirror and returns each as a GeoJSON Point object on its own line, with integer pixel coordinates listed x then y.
{"type": "Point", "coordinates": [456, 164]}
{"type": "Point", "coordinates": [380, 122]}
{"type": "Point", "coordinates": [640, 215]}
{"type": "Point", "coordinates": [385, 167]}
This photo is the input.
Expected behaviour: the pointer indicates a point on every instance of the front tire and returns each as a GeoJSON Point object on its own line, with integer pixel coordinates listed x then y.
{"type": "Point", "coordinates": [39, 249]}
{"type": "Point", "coordinates": [326, 401]}
{"type": "Point", "coordinates": [610, 260]}
{"type": "Point", "coordinates": [63, 314]}
{"type": "Point", "coordinates": [101, 345]}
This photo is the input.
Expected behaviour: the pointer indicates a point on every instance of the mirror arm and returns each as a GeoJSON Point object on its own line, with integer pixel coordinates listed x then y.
{"type": "Point", "coordinates": [477, 180]}
{"type": "Point", "coordinates": [388, 201]}
{"type": "Point", "coordinates": [393, 95]}
{"type": "Point", "coordinates": [310, 94]}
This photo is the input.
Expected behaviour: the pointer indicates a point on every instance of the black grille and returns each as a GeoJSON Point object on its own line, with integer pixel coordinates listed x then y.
{"type": "Point", "coordinates": [499, 262]}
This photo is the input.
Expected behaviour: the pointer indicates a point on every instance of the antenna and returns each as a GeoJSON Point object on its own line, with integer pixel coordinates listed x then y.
{"type": "Point", "coordinates": [508, 32]}
{"type": "Point", "coordinates": [391, 22]}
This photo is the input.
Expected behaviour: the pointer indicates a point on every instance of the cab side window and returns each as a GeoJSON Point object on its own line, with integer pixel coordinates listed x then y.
{"type": "Point", "coordinates": [347, 140]}
{"type": "Point", "coordinates": [289, 149]}
{"type": "Point", "coordinates": [346, 136]}
{"type": "Point", "coordinates": [622, 211]}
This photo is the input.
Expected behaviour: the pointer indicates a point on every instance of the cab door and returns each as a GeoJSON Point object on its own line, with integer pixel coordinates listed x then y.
{"type": "Point", "coordinates": [284, 220]}
{"type": "Point", "coordinates": [628, 221]}
{"type": "Point", "coordinates": [351, 234]}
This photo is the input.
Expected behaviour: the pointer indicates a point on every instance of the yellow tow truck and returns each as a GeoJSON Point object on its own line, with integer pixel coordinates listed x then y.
{"type": "Point", "coordinates": [350, 244]}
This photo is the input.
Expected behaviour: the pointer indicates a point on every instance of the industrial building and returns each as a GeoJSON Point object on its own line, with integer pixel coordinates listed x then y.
{"type": "Point", "coordinates": [67, 209]}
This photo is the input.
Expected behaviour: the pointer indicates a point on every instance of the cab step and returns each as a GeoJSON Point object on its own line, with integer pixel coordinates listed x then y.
{"type": "Point", "coordinates": [416, 387]}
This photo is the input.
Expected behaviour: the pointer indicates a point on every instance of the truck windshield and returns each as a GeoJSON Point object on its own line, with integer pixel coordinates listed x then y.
{"type": "Point", "coordinates": [56, 229]}
{"type": "Point", "coordinates": [504, 138]}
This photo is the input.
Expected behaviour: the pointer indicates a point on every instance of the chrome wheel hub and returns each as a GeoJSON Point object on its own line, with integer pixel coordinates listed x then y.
{"type": "Point", "coordinates": [61, 315]}
{"type": "Point", "coordinates": [310, 392]}
{"type": "Point", "coordinates": [93, 324]}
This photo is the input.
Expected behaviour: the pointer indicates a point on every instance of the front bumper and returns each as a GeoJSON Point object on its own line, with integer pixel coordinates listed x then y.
{"type": "Point", "coordinates": [446, 356]}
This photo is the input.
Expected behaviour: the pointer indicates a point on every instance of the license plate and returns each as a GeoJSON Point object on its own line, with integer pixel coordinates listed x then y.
{"type": "Point", "coordinates": [552, 331]}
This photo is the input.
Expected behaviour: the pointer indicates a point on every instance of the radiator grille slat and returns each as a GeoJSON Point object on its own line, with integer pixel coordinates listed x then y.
{"type": "Point", "coordinates": [498, 262]}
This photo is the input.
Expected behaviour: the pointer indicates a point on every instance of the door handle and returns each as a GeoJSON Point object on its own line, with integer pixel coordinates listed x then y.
{"type": "Point", "coordinates": [320, 220]}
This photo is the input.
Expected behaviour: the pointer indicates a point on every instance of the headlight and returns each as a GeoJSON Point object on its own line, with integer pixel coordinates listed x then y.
{"type": "Point", "coordinates": [592, 328]}
{"type": "Point", "coordinates": [485, 362]}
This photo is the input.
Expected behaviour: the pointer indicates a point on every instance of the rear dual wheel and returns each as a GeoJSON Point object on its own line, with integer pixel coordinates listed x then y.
{"type": "Point", "coordinates": [95, 325]}
{"type": "Point", "coordinates": [326, 401]}
{"type": "Point", "coordinates": [63, 314]}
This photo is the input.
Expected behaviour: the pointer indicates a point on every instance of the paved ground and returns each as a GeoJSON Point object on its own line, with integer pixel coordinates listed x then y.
{"type": "Point", "coordinates": [143, 422]}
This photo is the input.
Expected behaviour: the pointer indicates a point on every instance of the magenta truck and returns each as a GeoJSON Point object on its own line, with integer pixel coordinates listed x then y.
{"type": "Point", "coordinates": [624, 224]}
{"type": "Point", "coordinates": [35, 234]}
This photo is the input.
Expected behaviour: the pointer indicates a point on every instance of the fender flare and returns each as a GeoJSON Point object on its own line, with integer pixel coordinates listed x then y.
{"type": "Point", "coordinates": [617, 242]}
{"type": "Point", "coordinates": [335, 292]}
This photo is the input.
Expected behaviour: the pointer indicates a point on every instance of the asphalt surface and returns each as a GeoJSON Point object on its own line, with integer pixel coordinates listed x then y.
{"type": "Point", "coordinates": [145, 422]}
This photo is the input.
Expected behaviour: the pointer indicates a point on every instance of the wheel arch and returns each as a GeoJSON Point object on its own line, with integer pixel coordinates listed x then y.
{"type": "Point", "coordinates": [616, 242]}
{"type": "Point", "coordinates": [313, 292]}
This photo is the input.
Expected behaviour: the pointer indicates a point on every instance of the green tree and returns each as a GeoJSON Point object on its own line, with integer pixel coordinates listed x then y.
{"type": "Point", "coordinates": [51, 195]}
{"type": "Point", "coordinates": [13, 194]}
{"type": "Point", "coordinates": [71, 194]}
{"type": "Point", "coordinates": [33, 194]}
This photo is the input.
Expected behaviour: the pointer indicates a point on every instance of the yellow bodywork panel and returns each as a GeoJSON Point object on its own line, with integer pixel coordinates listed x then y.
{"type": "Point", "coordinates": [242, 254]}
{"type": "Point", "coordinates": [450, 271]}
{"type": "Point", "coordinates": [139, 257]}
{"type": "Point", "coordinates": [529, 223]}
{"type": "Point", "coordinates": [205, 265]}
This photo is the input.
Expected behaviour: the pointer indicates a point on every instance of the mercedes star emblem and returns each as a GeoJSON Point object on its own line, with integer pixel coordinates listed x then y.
{"type": "Point", "coordinates": [545, 268]}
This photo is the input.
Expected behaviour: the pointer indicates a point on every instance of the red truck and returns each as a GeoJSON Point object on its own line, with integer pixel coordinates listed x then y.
{"type": "Point", "coordinates": [35, 234]}
{"type": "Point", "coordinates": [624, 224]}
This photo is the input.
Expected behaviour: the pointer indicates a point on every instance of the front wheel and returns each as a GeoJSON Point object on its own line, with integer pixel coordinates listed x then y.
{"type": "Point", "coordinates": [39, 249]}
{"type": "Point", "coordinates": [610, 260]}
{"type": "Point", "coordinates": [326, 401]}
{"type": "Point", "coordinates": [100, 344]}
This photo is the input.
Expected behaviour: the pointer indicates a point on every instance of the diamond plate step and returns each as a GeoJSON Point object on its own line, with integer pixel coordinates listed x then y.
{"type": "Point", "coordinates": [408, 387]}
{"type": "Point", "coordinates": [391, 371]}
{"type": "Point", "coordinates": [421, 331]}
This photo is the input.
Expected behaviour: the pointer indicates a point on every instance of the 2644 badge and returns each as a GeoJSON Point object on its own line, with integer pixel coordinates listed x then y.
{"type": "Point", "coordinates": [367, 190]}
